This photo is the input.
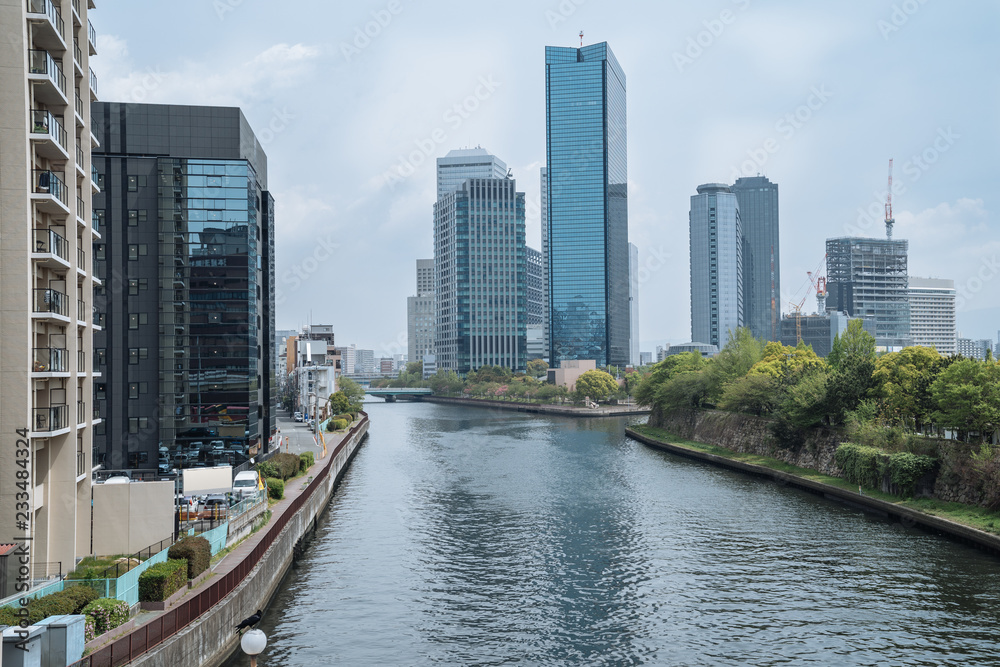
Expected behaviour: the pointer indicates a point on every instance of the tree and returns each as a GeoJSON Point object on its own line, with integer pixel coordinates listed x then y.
{"type": "Point", "coordinates": [339, 403]}
{"type": "Point", "coordinates": [415, 368]}
{"type": "Point", "coordinates": [354, 392]}
{"type": "Point", "coordinates": [853, 363]}
{"type": "Point", "coordinates": [688, 389]}
{"type": "Point", "coordinates": [740, 354]}
{"type": "Point", "coordinates": [446, 382]}
{"type": "Point", "coordinates": [662, 372]}
{"type": "Point", "coordinates": [754, 394]}
{"type": "Point", "coordinates": [598, 385]}
{"type": "Point", "coordinates": [903, 384]}
{"type": "Point", "coordinates": [786, 363]}
{"type": "Point", "coordinates": [856, 342]}
{"type": "Point", "coordinates": [537, 368]}
{"type": "Point", "coordinates": [967, 396]}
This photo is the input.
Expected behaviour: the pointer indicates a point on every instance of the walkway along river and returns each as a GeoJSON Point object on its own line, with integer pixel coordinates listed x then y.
{"type": "Point", "coordinates": [472, 536]}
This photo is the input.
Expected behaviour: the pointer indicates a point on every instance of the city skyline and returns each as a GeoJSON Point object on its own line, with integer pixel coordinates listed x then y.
{"type": "Point", "coordinates": [821, 117]}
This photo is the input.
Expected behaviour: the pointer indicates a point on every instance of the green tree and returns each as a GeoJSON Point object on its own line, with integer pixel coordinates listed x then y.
{"type": "Point", "coordinates": [754, 394]}
{"type": "Point", "coordinates": [967, 397]}
{"type": "Point", "coordinates": [663, 371]}
{"type": "Point", "coordinates": [687, 389]}
{"type": "Point", "coordinates": [903, 384]}
{"type": "Point", "coordinates": [537, 368]}
{"type": "Point", "coordinates": [339, 404]}
{"type": "Point", "coordinates": [735, 360]}
{"type": "Point", "coordinates": [446, 382]}
{"type": "Point", "coordinates": [856, 342]}
{"type": "Point", "coordinates": [497, 374]}
{"type": "Point", "coordinates": [415, 368]}
{"type": "Point", "coordinates": [598, 385]}
{"type": "Point", "coordinates": [354, 392]}
{"type": "Point", "coordinates": [786, 363]}
{"type": "Point", "coordinates": [853, 362]}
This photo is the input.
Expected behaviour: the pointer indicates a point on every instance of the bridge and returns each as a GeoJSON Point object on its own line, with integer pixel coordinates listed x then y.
{"type": "Point", "coordinates": [391, 394]}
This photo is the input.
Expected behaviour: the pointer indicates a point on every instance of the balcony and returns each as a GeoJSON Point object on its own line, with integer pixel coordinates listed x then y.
{"type": "Point", "coordinates": [93, 85]}
{"type": "Point", "coordinates": [98, 319]}
{"type": "Point", "coordinates": [49, 193]}
{"type": "Point", "coordinates": [81, 362]}
{"type": "Point", "coordinates": [48, 135]}
{"type": "Point", "coordinates": [95, 221]}
{"type": "Point", "coordinates": [82, 418]}
{"type": "Point", "coordinates": [81, 262]}
{"type": "Point", "coordinates": [81, 464]}
{"type": "Point", "coordinates": [50, 362]}
{"type": "Point", "coordinates": [81, 312]}
{"type": "Point", "coordinates": [51, 250]}
{"type": "Point", "coordinates": [81, 171]}
{"type": "Point", "coordinates": [97, 410]}
{"type": "Point", "coordinates": [76, 13]}
{"type": "Point", "coordinates": [49, 25]}
{"type": "Point", "coordinates": [94, 273]}
{"type": "Point", "coordinates": [78, 107]}
{"type": "Point", "coordinates": [91, 39]}
{"type": "Point", "coordinates": [50, 421]}
{"type": "Point", "coordinates": [77, 59]}
{"type": "Point", "coordinates": [93, 178]}
{"type": "Point", "coordinates": [50, 304]}
{"type": "Point", "coordinates": [81, 211]}
{"type": "Point", "coordinates": [50, 82]}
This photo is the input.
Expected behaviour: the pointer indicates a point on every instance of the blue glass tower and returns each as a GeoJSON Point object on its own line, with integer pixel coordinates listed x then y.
{"type": "Point", "coordinates": [587, 205]}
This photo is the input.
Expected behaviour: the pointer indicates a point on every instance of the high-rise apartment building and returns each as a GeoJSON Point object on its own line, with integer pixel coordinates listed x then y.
{"type": "Point", "coordinates": [480, 269]}
{"type": "Point", "coordinates": [420, 313]}
{"type": "Point", "coordinates": [47, 234]}
{"type": "Point", "coordinates": [587, 205]}
{"type": "Point", "coordinates": [633, 303]}
{"type": "Point", "coordinates": [758, 204]}
{"type": "Point", "coordinates": [716, 246]}
{"type": "Point", "coordinates": [462, 164]}
{"type": "Point", "coordinates": [868, 278]}
{"type": "Point", "coordinates": [546, 303]}
{"type": "Point", "coordinates": [932, 314]}
{"type": "Point", "coordinates": [186, 355]}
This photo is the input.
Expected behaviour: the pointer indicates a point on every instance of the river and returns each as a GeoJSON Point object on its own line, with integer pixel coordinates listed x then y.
{"type": "Point", "coordinates": [472, 536]}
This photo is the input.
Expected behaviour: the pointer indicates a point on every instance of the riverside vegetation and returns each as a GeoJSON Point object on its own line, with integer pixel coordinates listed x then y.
{"type": "Point", "coordinates": [908, 421]}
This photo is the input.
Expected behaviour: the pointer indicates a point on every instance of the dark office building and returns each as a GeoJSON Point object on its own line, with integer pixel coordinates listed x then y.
{"type": "Point", "coordinates": [758, 203]}
{"type": "Point", "coordinates": [185, 356]}
{"type": "Point", "coordinates": [586, 206]}
{"type": "Point", "coordinates": [535, 288]}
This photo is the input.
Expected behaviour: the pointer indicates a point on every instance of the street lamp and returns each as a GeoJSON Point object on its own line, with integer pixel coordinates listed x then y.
{"type": "Point", "coordinates": [253, 644]}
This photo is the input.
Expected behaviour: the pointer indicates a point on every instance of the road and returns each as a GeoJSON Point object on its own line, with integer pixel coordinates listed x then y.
{"type": "Point", "coordinates": [300, 438]}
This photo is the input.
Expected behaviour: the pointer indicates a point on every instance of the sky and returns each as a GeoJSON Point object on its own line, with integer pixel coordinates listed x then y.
{"type": "Point", "coordinates": [353, 101]}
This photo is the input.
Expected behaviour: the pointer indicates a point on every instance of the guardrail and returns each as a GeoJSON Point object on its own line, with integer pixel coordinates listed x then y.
{"type": "Point", "coordinates": [155, 632]}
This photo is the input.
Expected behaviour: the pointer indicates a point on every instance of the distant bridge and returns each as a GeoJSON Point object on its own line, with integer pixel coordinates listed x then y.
{"type": "Point", "coordinates": [392, 394]}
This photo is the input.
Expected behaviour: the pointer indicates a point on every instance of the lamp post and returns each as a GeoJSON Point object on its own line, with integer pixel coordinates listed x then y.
{"type": "Point", "coordinates": [253, 644]}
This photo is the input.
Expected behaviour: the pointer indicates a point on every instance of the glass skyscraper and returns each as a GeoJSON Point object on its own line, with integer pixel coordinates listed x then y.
{"type": "Point", "coordinates": [716, 238]}
{"type": "Point", "coordinates": [758, 203]}
{"type": "Point", "coordinates": [587, 205]}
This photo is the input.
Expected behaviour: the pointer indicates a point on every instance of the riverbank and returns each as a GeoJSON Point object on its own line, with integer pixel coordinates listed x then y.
{"type": "Point", "coordinates": [970, 524]}
{"type": "Point", "coordinates": [538, 408]}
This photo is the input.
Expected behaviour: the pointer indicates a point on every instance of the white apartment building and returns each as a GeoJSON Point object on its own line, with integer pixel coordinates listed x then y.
{"type": "Point", "coordinates": [932, 314]}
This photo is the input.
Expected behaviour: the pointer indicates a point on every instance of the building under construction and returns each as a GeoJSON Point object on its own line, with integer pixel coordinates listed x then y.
{"type": "Point", "coordinates": [868, 278]}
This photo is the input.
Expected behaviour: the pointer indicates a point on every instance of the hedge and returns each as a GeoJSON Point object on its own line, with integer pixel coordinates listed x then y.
{"type": "Point", "coordinates": [340, 424]}
{"type": "Point", "coordinates": [868, 466]}
{"type": "Point", "coordinates": [286, 464]}
{"type": "Point", "coordinates": [347, 416]}
{"type": "Point", "coordinates": [197, 551]}
{"type": "Point", "coordinates": [162, 580]}
{"type": "Point", "coordinates": [107, 613]}
{"type": "Point", "coordinates": [70, 600]}
{"type": "Point", "coordinates": [306, 460]}
{"type": "Point", "coordinates": [275, 488]}
{"type": "Point", "coordinates": [267, 469]}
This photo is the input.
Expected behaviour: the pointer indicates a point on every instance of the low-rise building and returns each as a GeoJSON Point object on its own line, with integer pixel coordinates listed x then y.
{"type": "Point", "coordinates": [570, 371]}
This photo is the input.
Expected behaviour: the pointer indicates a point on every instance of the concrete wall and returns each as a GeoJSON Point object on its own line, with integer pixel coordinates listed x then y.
{"type": "Point", "coordinates": [130, 517]}
{"type": "Point", "coordinates": [210, 640]}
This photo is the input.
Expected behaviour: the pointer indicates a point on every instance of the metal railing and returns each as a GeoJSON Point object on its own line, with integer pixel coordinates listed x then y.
{"type": "Point", "coordinates": [78, 104]}
{"type": "Point", "coordinates": [93, 81]}
{"type": "Point", "coordinates": [80, 206]}
{"type": "Point", "coordinates": [40, 62]}
{"type": "Point", "coordinates": [81, 463]}
{"type": "Point", "coordinates": [51, 418]}
{"type": "Point", "coordinates": [76, 7]}
{"type": "Point", "coordinates": [43, 122]}
{"type": "Point", "coordinates": [50, 10]}
{"type": "Point", "coordinates": [81, 310]}
{"type": "Point", "coordinates": [81, 259]}
{"type": "Point", "coordinates": [81, 414]}
{"type": "Point", "coordinates": [91, 36]}
{"type": "Point", "coordinates": [48, 300]}
{"type": "Point", "coordinates": [48, 242]}
{"type": "Point", "coordinates": [95, 221]}
{"type": "Point", "coordinates": [50, 360]}
{"type": "Point", "coordinates": [45, 182]}
{"type": "Point", "coordinates": [77, 53]}
{"type": "Point", "coordinates": [93, 173]}
{"type": "Point", "coordinates": [94, 268]}
{"type": "Point", "coordinates": [81, 361]}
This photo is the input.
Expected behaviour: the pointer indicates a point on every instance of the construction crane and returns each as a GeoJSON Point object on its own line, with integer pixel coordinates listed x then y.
{"type": "Point", "coordinates": [889, 220]}
{"type": "Point", "coordinates": [797, 307]}
{"type": "Point", "coordinates": [818, 281]}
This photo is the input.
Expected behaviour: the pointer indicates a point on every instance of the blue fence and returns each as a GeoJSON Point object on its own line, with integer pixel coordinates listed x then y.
{"type": "Point", "coordinates": [127, 585]}
{"type": "Point", "coordinates": [216, 537]}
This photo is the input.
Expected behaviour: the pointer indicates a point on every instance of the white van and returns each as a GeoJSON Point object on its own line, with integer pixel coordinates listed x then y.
{"type": "Point", "coordinates": [245, 483]}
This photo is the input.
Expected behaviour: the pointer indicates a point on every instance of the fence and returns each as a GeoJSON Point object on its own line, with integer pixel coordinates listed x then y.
{"type": "Point", "coordinates": [216, 537]}
{"type": "Point", "coordinates": [161, 628]}
{"type": "Point", "coordinates": [127, 585]}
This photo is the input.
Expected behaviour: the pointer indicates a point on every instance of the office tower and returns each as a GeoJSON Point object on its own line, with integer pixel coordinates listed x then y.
{"type": "Point", "coordinates": [633, 301]}
{"type": "Point", "coordinates": [932, 314]}
{"type": "Point", "coordinates": [645, 358]}
{"type": "Point", "coordinates": [462, 164]}
{"type": "Point", "coordinates": [716, 239]}
{"type": "Point", "coordinates": [546, 295]}
{"type": "Point", "coordinates": [535, 292]}
{"type": "Point", "coordinates": [46, 286]}
{"type": "Point", "coordinates": [480, 276]}
{"type": "Point", "coordinates": [868, 278]}
{"type": "Point", "coordinates": [420, 313]}
{"type": "Point", "coordinates": [186, 354]}
{"type": "Point", "coordinates": [757, 198]}
{"type": "Point", "coordinates": [587, 207]}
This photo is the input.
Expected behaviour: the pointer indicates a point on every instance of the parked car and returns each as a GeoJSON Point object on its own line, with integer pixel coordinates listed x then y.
{"type": "Point", "coordinates": [215, 506]}
{"type": "Point", "coordinates": [298, 416]}
{"type": "Point", "coordinates": [217, 445]}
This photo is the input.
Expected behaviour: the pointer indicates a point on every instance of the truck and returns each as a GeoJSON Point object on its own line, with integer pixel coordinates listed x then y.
{"type": "Point", "coordinates": [245, 484]}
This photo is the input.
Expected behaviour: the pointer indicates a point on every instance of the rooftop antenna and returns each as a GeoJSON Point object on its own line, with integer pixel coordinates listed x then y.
{"type": "Point", "coordinates": [581, 39]}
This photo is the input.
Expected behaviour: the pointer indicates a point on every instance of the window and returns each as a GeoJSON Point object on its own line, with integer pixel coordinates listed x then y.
{"type": "Point", "coordinates": [132, 183]}
{"type": "Point", "coordinates": [133, 425]}
{"type": "Point", "coordinates": [143, 424]}
{"type": "Point", "coordinates": [99, 251]}
{"type": "Point", "coordinates": [100, 391]}
{"type": "Point", "coordinates": [133, 252]}
{"type": "Point", "coordinates": [143, 352]}
{"type": "Point", "coordinates": [133, 321]}
{"type": "Point", "coordinates": [133, 287]}
{"type": "Point", "coordinates": [143, 387]}
{"type": "Point", "coordinates": [133, 355]}
{"type": "Point", "coordinates": [133, 390]}
{"type": "Point", "coordinates": [143, 318]}
{"type": "Point", "coordinates": [143, 250]}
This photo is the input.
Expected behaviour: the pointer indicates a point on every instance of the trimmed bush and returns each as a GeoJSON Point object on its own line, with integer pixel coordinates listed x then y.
{"type": "Point", "coordinates": [197, 551]}
{"type": "Point", "coordinates": [89, 629]}
{"type": "Point", "coordinates": [906, 469]}
{"type": "Point", "coordinates": [268, 469]}
{"type": "Point", "coordinates": [347, 415]}
{"type": "Point", "coordinates": [67, 601]}
{"type": "Point", "coordinates": [161, 581]}
{"type": "Point", "coordinates": [340, 424]}
{"type": "Point", "coordinates": [107, 613]}
{"type": "Point", "coordinates": [306, 461]}
{"type": "Point", "coordinates": [275, 488]}
{"type": "Point", "coordinates": [869, 466]}
{"type": "Point", "coordinates": [287, 465]}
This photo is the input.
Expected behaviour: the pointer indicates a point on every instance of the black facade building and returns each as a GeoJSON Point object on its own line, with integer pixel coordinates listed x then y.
{"type": "Point", "coordinates": [185, 356]}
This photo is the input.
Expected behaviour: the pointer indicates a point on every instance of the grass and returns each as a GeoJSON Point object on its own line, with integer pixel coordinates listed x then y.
{"type": "Point", "coordinates": [973, 516]}
{"type": "Point", "coordinates": [95, 568]}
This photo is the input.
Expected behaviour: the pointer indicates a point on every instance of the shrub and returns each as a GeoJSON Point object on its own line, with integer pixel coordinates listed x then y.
{"type": "Point", "coordinates": [306, 461]}
{"type": "Point", "coordinates": [347, 416]}
{"type": "Point", "coordinates": [268, 469]}
{"type": "Point", "coordinates": [340, 424]}
{"type": "Point", "coordinates": [286, 464]}
{"type": "Point", "coordinates": [161, 581]}
{"type": "Point", "coordinates": [906, 469]}
{"type": "Point", "coordinates": [108, 613]}
{"type": "Point", "coordinates": [89, 629]}
{"type": "Point", "coordinates": [81, 596]}
{"type": "Point", "coordinates": [197, 551]}
{"type": "Point", "coordinates": [67, 601]}
{"type": "Point", "coordinates": [862, 465]}
{"type": "Point", "coordinates": [275, 488]}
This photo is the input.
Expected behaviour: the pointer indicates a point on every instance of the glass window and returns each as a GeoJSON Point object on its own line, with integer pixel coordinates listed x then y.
{"type": "Point", "coordinates": [133, 390]}
{"type": "Point", "coordinates": [132, 183]}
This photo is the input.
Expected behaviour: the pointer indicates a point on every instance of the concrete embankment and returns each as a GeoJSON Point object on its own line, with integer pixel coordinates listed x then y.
{"type": "Point", "coordinates": [907, 516]}
{"type": "Point", "coordinates": [209, 639]}
{"type": "Point", "coordinates": [562, 410]}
